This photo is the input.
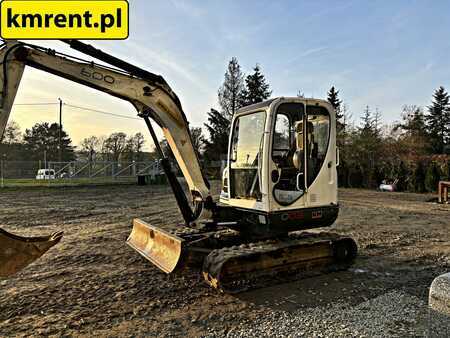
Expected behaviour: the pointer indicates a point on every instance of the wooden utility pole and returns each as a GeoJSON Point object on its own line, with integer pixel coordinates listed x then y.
{"type": "Point", "coordinates": [60, 131]}
{"type": "Point", "coordinates": [2, 168]}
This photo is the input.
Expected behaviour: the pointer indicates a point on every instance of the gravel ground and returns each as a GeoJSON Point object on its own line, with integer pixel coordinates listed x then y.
{"type": "Point", "coordinates": [393, 314]}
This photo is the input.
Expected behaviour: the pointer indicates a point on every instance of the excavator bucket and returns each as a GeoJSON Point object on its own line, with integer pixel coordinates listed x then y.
{"type": "Point", "coordinates": [159, 246]}
{"type": "Point", "coordinates": [17, 252]}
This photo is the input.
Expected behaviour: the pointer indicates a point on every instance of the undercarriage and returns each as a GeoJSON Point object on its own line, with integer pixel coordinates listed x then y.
{"type": "Point", "coordinates": [232, 263]}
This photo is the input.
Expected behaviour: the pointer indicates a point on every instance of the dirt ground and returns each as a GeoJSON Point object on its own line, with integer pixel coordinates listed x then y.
{"type": "Point", "coordinates": [92, 283]}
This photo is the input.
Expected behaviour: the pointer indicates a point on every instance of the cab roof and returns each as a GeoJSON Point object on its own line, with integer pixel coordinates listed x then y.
{"type": "Point", "coordinates": [267, 103]}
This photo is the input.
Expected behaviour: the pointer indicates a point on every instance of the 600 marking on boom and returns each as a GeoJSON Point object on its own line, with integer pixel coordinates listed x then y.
{"type": "Point", "coordinates": [92, 74]}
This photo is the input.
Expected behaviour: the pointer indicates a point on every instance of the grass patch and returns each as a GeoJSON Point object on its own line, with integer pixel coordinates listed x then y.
{"type": "Point", "coordinates": [67, 182]}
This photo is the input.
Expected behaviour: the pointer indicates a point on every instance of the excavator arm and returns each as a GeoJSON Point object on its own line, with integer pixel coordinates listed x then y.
{"type": "Point", "coordinates": [147, 92]}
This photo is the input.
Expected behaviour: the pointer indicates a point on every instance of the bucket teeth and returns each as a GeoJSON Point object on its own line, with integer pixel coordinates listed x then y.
{"type": "Point", "coordinates": [17, 252]}
{"type": "Point", "coordinates": [157, 245]}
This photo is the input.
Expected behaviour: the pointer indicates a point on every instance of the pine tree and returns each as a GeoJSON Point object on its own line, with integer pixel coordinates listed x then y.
{"type": "Point", "coordinates": [44, 137]}
{"type": "Point", "coordinates": [256, 87]}
{"type": "Point", "coordinates": [218, 129]}
{"type": "Point", "coordinates": [231, 93]}
{"type": "Point", "coordinates": [333, 98]}
{"type": "Point", "coordinates": [367, 145]}
{"type": "Point", "coordinates": [414, 136]}
{"type": "Point", "coordinates": [438, 120]}
{"type": "Point", "coordinates": [368, 127]}
{"type": "Point", "coordinates": [413, 121]}
{"type": "Point", "coordinates": [377, 122]}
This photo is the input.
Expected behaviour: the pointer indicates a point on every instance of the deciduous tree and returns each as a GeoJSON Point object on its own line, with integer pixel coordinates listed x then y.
{"type": "Point", "coordinates": [12, 133]}
{"type": "Point", "coordinates": [90, 147]}
{"type": "Point", "coordinates": [115, 145]}
{"type": "Point", "coordinates": [135, 145]}
{"type": "Point", "coordinates": [231, 93]}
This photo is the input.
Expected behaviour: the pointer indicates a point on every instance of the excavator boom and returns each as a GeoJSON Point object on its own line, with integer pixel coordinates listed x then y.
{"type": "Point", "coordinates": [147, 92]}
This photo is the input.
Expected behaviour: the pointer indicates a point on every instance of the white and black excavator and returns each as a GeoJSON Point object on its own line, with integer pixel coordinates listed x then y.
{"type": "Point", "coordinates": [280, 178]}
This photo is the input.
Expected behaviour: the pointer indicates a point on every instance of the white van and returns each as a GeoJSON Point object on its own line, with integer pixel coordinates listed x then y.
{"type": "Point", "coordinates": [45, 174]}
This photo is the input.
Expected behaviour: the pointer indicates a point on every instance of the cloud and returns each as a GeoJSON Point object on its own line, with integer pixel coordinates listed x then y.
{"type": "Point", "coordinates": [308, 52]}
{"type": "Point", "coordinates": [312, 51]}
{"type": "Point", "coordinates": [187, 8]}
{"type": "Point", "coordinates": [166, 64]}
{"type": "Point", "coordinates": [428, 66]}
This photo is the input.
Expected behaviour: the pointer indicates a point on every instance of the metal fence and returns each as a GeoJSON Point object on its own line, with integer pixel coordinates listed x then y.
{"type": "Point", "coordinates": [78, 169]}
{"type": "Point", "coordinates": [17, 173]}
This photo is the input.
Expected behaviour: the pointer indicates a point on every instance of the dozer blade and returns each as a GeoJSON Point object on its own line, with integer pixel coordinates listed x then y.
{"type": "Point", "coordinates": [159, 246]}
{"type": "Point", "coordinates": [17, 252]}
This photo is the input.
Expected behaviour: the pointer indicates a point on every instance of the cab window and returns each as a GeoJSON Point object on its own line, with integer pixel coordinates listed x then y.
{"type": "Point", "coordinates": [318, 138]}
{"type": "Point", "coordinates": [282, 135]}
{"type": "Point", "coordinates": [245, 156]}
{"type": "Point", "coordinates": [287, 153]}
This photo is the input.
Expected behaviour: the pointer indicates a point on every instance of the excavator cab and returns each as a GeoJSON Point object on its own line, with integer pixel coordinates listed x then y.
{"type": "Point", "coordinates": [282, 164]}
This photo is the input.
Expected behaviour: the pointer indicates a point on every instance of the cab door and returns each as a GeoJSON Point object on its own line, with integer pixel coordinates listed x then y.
{"type": "Point", "coordinates": [287, 156]}
{"type": "Point", "coordinates": [320, 157]}
{"type": "Point", "coordinates": [300, 167]}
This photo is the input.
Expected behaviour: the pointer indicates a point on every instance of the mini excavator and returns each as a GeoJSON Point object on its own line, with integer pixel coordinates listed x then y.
{"type": "Point", "coordinates": [280, 178]}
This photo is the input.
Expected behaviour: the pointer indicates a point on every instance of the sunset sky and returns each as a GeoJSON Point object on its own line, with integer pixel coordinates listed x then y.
{"type": "Point", "coordinates": [380, 53]}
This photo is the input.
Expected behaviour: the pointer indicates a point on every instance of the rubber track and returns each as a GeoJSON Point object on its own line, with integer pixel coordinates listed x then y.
{"type": "Point", "coordinates": [215, 262]}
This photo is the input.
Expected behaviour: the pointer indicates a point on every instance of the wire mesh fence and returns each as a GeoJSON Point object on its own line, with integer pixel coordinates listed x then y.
{"type": "Point", "coordinates": [16, 173]}
{"type": "Point", "coordinates": [76, 169]}
{"type": "Point", "coordinates": [40, 173]}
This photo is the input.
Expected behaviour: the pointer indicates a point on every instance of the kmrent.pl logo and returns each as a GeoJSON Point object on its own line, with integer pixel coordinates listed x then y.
{"type": "Point", "coordinates": [66, 19]}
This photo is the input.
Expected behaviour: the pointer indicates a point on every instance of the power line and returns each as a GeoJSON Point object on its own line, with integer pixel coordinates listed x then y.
{"type": "Point", "coordinates": [36, 104]}
{"type": "Point", "coordinates": [102, 112]}
{"type": "Point", "coordinates": [80, 108]}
